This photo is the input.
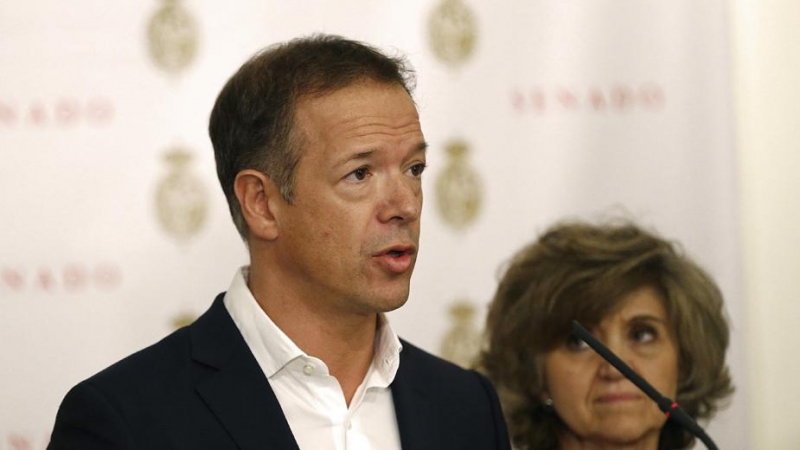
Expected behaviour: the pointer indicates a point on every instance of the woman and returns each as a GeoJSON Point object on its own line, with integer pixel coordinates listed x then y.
{"type": "Point", "coordinates": [651, 305]}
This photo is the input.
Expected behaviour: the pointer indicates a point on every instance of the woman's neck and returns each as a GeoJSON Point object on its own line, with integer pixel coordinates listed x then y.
{"type": "Point", "coordinates": [569, 441]}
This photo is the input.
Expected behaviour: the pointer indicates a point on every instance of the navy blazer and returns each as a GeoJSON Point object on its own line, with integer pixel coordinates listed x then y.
{"type": "Point", "coordinates": [201, 388]}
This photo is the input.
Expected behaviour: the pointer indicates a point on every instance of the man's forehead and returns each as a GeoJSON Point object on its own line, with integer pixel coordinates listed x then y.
{"type": "Point", "coordinates": [359, 107]}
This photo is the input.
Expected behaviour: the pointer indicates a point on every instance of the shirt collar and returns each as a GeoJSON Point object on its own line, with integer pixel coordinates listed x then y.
{"type": "Point", "coordinates": [271, 347]}
{"type": "Point", "coordinates": [274, 350]}
{"type": "Point", "coordinates": [386, 360]}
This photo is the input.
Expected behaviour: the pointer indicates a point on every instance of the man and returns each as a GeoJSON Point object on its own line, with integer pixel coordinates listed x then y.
{"type": "Point", "coordinates": [320, 153]}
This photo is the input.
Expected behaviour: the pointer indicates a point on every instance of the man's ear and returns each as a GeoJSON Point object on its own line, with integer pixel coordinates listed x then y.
{"type": "Point", "coordinates": [256, 193]}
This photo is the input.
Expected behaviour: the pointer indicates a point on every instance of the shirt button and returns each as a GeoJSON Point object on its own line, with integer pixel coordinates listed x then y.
{"type": "Point", "coordinates": [308, 369]}
{"type": "Point", "coordinates": [348, 425]}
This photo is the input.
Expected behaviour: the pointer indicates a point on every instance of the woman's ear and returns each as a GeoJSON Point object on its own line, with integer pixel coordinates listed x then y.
{"type": "Point", "coordinates": [544, 395]}
{"type": "Point", "coordinates": [255, 192]}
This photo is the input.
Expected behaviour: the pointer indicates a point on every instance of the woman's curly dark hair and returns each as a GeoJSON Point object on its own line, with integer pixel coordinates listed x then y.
{"type": "Point", "coordinates": [581, 271]}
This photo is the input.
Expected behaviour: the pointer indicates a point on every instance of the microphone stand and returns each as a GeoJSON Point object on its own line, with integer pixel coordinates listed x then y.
{"type": "Point", "coordinates": [667, 406]}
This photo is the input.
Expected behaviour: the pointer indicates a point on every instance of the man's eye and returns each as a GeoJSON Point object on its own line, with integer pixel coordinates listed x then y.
{"type": "Point", "coordinates": [417, 169]}
{"type": "Point", "coordinates": [359, 174]}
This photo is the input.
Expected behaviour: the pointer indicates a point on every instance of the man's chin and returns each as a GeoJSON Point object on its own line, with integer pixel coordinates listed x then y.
{"type": "Point", "coordinates": [394, 304]}
{"type": "Point", "coordinates": [390, 300]}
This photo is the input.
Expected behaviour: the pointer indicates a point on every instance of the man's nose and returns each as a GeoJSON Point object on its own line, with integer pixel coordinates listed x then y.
{"type": "Point", "coordinates": [402, 199]}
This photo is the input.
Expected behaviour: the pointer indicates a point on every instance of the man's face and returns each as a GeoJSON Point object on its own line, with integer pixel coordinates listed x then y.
{"type": "Point", "coordinates": [349, 240]}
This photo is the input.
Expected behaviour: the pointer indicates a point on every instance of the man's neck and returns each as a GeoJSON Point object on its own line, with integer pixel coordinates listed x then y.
{"type": "Point", "coordinates": [345, 342]}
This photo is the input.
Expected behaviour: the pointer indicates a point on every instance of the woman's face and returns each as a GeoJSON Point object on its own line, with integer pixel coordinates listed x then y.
{"type": "Point", "coordinates": [595, 401]}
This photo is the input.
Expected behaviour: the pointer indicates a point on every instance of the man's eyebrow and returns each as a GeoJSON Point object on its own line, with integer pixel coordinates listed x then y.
{"type": "Point", "coordinates": [422, 147]}
{"type": "Point", "coordinates": [355, 157]}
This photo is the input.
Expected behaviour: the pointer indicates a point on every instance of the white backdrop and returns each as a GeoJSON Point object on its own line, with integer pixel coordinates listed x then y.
{"type": "Point", "coordinates": [566, 109]}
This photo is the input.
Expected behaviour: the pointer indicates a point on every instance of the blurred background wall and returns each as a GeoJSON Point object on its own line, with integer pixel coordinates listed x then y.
{"type": "Point", "coordinates": [679, 115]}
{"type": "Point", "coordinates": [766, 74]}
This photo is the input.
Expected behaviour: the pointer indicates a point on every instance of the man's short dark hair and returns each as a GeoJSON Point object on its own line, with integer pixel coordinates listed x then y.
{"type": "Point", "coordinates": [252, 123]}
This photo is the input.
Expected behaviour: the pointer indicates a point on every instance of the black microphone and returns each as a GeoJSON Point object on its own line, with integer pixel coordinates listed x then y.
{"type": "Point", "coordinates": [667, 406]}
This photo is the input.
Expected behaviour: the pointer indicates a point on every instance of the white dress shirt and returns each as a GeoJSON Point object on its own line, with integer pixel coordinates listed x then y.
{"type": "Point", "coordinates": [311, 399]}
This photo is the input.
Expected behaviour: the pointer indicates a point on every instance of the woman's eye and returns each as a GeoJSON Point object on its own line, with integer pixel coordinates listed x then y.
{"type": "Point", "coordinates": [359, 174]}
{"type": "Point", "coordinates": [417, 169]}
{"type": "Point", "coordinates": [644, 334]}
{"type": "Point", "coordinates": [575, 343]}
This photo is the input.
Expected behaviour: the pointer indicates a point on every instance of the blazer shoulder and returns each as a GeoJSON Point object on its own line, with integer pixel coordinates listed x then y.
{"type": "Point", "coordinates": [428, 372]}
{"type": "Point", "coordinates": [421, 361]}
{"type": "Point", "coordinates": [168, 358]}
{"type": "Point", "coordinates": [448, 397]}
{"type": "Point", "coordinates": [166, 355]}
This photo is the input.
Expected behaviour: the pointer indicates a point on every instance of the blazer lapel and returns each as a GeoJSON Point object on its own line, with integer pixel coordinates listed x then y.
{"type": "Point", "coordinates": [415, 421]}
{"type": "Point", "coordinates": [236, 390]}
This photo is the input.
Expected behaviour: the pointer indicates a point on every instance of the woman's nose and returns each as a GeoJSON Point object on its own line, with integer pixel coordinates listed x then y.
{"type": "Point", "coordinates": [607, 370]}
